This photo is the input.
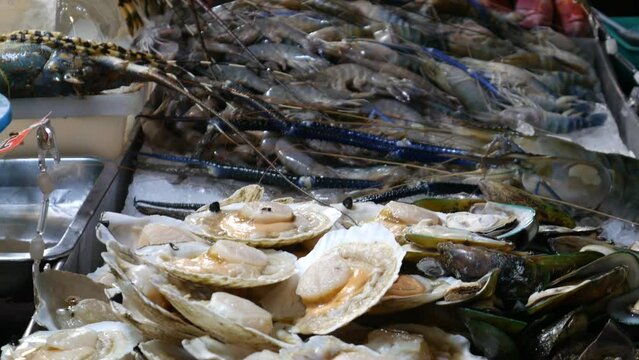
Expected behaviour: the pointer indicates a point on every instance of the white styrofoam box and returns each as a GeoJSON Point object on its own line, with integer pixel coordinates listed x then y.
{"type": "Point", "coordinates": [89, 126]}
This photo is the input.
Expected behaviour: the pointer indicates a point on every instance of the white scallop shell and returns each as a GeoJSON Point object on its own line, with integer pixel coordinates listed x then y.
{"type": "Point", "coordinates": [201, 314]}
{"type": "Point", "coordinates": [442, 344]}
{"type": "Point", "coordinates": [136, 301]}
{"type": "Point", "coordinates": [133, 231]}
{"type": "Point", "coordinates": [115, 341]}
{"type": "Point", "coordinates": [371, 243]}
{"type": "Point", "coordinates": [281, 266]}
{"type": "Point", "coordinates": [321, 217]}
{"type": "Point", "coordinates": [54, 287]}
{"type": "Point", "coordinates": [163, 350]}
{"type": "Point", "coordinates": [207, 348]}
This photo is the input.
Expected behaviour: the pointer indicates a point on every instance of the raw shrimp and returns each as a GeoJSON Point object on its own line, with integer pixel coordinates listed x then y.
{"type": "Point", "coordinates": [285, 57]}
{"type": "Point", "coordinates": [353, 77]}
{"type": "Point", "coordinates": [303, 94]}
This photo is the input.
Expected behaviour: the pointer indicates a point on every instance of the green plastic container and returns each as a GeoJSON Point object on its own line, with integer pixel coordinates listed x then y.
{"type": "Point", "coordinates": [627, 50]}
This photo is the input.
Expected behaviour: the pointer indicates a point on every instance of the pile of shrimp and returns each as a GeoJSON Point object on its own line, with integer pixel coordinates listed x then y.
{"type": "Point", "coordinates": [366, 94]}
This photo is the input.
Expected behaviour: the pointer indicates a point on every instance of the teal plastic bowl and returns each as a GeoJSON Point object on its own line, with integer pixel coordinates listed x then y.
{"type": "Point", "coordinates": [629, 51]}
{"type": "Point", "coordinates": [5, 113]}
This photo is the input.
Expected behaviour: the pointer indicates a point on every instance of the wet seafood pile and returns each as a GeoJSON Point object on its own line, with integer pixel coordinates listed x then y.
{"type": "Point", "coordinates": [250, 278]}
{"type": "Point", "coordinates": [366, 96]}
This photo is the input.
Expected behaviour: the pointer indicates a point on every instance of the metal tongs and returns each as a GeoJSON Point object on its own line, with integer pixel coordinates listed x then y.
{"type": "Point", "coordinates": [45, 137]}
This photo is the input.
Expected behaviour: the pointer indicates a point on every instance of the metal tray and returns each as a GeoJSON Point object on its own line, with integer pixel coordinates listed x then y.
{"type": "Point", "coordinates": [626, 117]}
{"type": "Point", "coordinates": [20, 205]}
{"type": "Point", "coordinates": [93, 186]}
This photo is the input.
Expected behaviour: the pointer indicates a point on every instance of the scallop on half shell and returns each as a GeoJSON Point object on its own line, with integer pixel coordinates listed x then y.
{"type": "Point", "coordinates": [69, 300]}
{"type": "Point", "coordinates": [321, 347]}
{"type": "Point", "coordinates": [225, 264]}
{"type": "Point", "coordinates": [106, 340]}
{"type": "Point", "coordinates": [346, 274]}
{"type": "Point", "coordinates": [143, 303]}
{"type": "Point", "coordinates": [265, 223]}
{"type": "Point", "coordinates": [138, 232]}
{"type": "Point", "coordinates": [228, 317]}
{"type": "Point", "coordinates": [398, 216]}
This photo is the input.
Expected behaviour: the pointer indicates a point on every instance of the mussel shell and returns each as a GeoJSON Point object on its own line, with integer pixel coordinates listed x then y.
{"type": "Point", "coordinates": [547, 213]}
{"type": "Point", "coordinates": [433, 291]}
{"type": "Point", "coordinates": [448, 204]}
{"type": "Point", "coordinates": [415, 253]}
{"type": "Point", "coordinates": [492, 342]}
{"type": "Point", "coordinates": [571, 243]}
{"type": "Point", "coordinates": [621, 308]}
{"type": "Point", "coordinates": [476, 222]}
{"type": "Point", "coordinates": [430, 236]}
{"type": "Point", "coordinates": [526, 226]}
{"type": "Point", "coordinates": [507, 325]}
{"type": "Point", "coordinates": [585, 292]}
{"type": "Point", "coordinates": [603, 264]}
{"type": "Point", "coordinates": [543, 338]}
{"type": "Point", "coordinates": [488, 286]}
{"type": "Point", "coordinates": [611, 343]}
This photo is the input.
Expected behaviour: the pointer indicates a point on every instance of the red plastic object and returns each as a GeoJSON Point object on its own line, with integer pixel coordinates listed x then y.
{"type": "Point", "coordinates": [535, 12]}
{"type": "Point", "coordinates": [499, 5]}
{"type": "Point", "coordinates": [572, 18]}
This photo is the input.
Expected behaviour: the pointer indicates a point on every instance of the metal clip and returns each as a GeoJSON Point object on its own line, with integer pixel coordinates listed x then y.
{"type": "Point", "coordinates": [45, 136]}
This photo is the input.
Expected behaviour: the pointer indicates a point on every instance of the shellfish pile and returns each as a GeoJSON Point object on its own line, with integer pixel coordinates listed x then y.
{"type": "Point", "coordinates": [247, 278]}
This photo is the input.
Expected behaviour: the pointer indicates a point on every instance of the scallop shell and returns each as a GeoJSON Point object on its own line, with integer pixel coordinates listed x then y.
{"type": "Point", "coordinates": [311, 221]}
{"type": "Point", "coordinates": [149, 328]}
{"type": "Point", "coordinates": [371, 248]}
{"type": "Point", "coordinates": [138, 232]}
{"type": "Point", "coordinates": [324, 347]}
{"type": "Point", "coordinates": [136, 300]}
{"type": "Point", "coordinates": [56, 289]}
{"type": "Point", "coordinates": [398, 344]}
{"type": "Point", "coordinates": [106, 340]}
{"type": "Point", "coordinates": [398, 216]}
{"type": "Point", "coordinates": [431, 291]}
{"type": "Point", "coordinates": [198, 311]}
{"type": "Point", "coordinates": [207, 348]}
{"type": "Point", "coordinates": [442, 344]}
{"type": "Point", "coordinates": [358, 213]}
{"type": "Point", "coordinates": [280, 266]}
{"type": "Point", "coordinates": [162, 350]}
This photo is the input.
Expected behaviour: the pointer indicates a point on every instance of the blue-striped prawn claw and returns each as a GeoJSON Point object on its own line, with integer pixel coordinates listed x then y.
{"type": "Point", "coordinates": [268, 177]}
